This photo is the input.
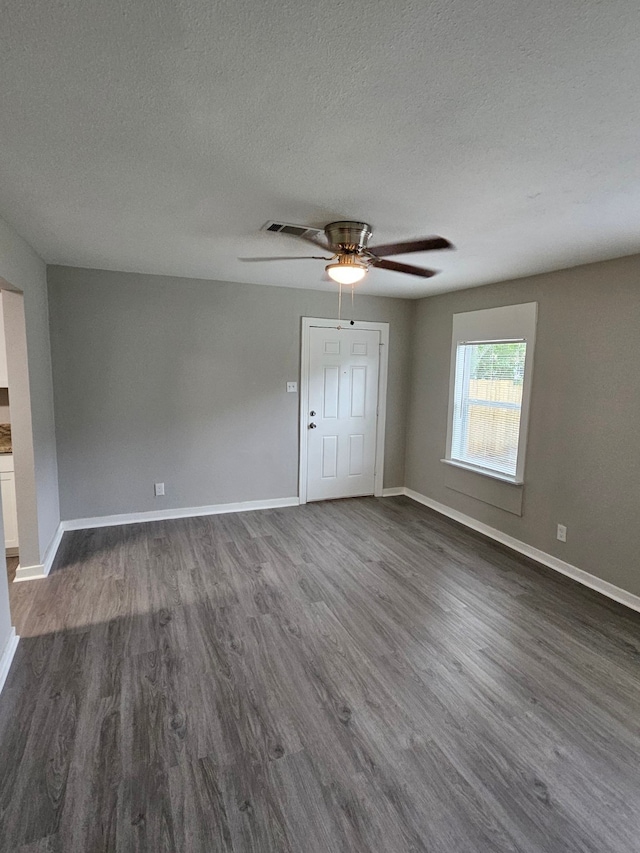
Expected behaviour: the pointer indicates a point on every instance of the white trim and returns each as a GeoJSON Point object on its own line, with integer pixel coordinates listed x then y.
{"type": "Point", "coordinates": [476, 469]}
{"type": "Point", "coordinates": [383, 328]}
{"type": "Point", "coordinates": [7, 656]}
{"type": "Point", "coordinates": [29, 573]}
{"type": "Point", "coordinates": [52, 550]}
{"type": "Point", "coordinates": [180, 512]}
{"type": "Point", "coordinates": [393, 492]}
{"type": "Point", "coordinates": [503, 324]}
{"type": "Point", "coordinates": [592, 581]}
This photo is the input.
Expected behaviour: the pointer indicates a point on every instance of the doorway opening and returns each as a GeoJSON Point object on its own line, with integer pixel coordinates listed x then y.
{"type": "Point", "coordinates": [17, 463]}
{"type": "Point", "coordinates": [343, 385]}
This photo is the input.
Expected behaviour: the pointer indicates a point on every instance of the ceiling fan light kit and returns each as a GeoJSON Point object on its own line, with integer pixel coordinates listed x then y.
{"type": "Point", "coordinates": [348, 270]}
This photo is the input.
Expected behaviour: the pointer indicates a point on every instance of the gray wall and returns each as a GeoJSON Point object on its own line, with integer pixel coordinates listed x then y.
{"type": "Point", "coordinates": [183, 381]}
{"type": "Point", "coordinates": [583, 458]}
{"type": "Point", "coordinates": [21, 267]}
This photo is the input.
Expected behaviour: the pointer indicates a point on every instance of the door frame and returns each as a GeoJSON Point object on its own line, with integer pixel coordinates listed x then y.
{"type": "Point", "coordinates": [381, 420]}
{"type": "Point", "coordinates": [15, 331]}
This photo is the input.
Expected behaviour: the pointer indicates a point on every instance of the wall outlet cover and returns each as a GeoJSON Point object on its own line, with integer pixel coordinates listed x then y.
{"type": "Point", "coordinates": [158, 489]}
{"type": "Point", "coordinates": [292, 387]}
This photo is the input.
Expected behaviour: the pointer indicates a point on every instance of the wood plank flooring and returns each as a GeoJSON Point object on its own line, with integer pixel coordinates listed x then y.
{"type": "Point", "coordinates": [359, 675]}
{"type": "Point", "coordinates": [12, 565]}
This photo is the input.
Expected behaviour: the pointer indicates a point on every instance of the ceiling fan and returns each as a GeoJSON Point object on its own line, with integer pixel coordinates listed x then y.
{"type": "Point", "coordinates": [348, 243]}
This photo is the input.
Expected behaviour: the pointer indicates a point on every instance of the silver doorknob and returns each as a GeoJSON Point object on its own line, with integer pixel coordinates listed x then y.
{"type": "Point", "coordinates": [312, 426]}
{"type": "Point", "coordinates": [313, 414]}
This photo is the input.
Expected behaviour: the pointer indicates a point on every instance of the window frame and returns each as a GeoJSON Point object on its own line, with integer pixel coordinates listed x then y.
{"type": "Point", "coordinates": [506, 324]}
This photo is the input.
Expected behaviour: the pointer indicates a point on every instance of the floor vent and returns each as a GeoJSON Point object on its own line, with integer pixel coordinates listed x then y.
{"type": "Point", "coordinates": [293, 230]}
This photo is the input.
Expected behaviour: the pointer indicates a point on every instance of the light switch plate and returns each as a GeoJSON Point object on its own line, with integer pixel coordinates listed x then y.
{"type": "Point", "coordinates": [292, 387]}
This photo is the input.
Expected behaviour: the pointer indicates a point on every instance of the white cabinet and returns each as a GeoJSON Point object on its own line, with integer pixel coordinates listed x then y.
{"type": "Point", "coordinates": [4, 380]}
{"type": "Point", "coordinates": [9, 509]}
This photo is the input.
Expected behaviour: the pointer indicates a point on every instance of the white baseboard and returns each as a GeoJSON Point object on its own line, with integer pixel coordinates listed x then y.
{"type": "Point", "coordinates": [182, 512]}
{"type": "Point", "coordinates": [41, 570]}
{"type": "Point", "coordinates": [30, 573]}
{"type": "Point", "coordinates": [558, 565]}
{"type": "Point", "coordinates": [7, 656]}
{"type": "Point", "coordinates": [52, 550]}
{"type": "Point", "coordinates": [393, 492]}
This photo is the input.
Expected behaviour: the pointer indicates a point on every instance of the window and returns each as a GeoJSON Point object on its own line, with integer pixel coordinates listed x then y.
{"type": "Point", "coordinates": [488, 404]}
{"type": "Point", "coordinates": [490, 379]}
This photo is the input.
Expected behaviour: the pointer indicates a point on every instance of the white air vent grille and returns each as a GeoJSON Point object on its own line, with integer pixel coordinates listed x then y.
{"type": "Point", "coordinates": [293, 230]}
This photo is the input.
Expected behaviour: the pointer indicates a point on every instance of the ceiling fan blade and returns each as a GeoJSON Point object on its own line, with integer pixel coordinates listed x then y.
{"type": "Point", "coordinates": [406, 268]}
{"type": "Point", "coordinates": [285, 258]}
{"type": "Point", "coordinates": [427, 244]}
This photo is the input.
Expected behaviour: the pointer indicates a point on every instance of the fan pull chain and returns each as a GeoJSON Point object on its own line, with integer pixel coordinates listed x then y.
{"type": "Point", "coordinates": [339, 302]}
{"type": "Point", "coordinates": [352, 289]}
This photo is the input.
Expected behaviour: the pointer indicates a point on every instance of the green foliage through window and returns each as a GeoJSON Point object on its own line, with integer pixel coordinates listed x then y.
{"type": "Point", "coordinates": [498, 361]}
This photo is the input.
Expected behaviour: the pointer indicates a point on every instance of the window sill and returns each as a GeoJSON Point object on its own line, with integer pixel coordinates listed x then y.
{"type": "Point", "coordinates": [493, 475]}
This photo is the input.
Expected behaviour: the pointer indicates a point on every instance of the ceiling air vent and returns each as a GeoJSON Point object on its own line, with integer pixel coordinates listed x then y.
{"type": "Point", "coordinates": [293, 230]}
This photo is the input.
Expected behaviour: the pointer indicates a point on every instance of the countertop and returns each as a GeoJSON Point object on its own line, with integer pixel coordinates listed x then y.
{"type": "Point", "coordinates": [5, 438]}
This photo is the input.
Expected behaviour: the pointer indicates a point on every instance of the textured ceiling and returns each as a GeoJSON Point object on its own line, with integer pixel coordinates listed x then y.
{"type": "Point", "coordinates": [157, 136]}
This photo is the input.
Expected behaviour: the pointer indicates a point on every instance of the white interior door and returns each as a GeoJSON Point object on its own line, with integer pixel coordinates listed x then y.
{"type": "Point", "coordinates": [342, 416]}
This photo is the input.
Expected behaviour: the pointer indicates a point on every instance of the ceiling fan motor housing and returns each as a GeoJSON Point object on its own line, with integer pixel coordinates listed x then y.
{"type": "Point", "coordinates": [347, 236]}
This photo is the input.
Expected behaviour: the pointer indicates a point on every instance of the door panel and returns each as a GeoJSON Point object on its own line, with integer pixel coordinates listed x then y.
{"type": "Point", "coordinates": [356, 455]}
{"type": "Point", "coordinates": [329, 457]}
{"type": "Point", "coordinates": [330, 393]}
{"type": "Point", "coordinates": [343, 394]}
{"type": "Point", "coordinates": [358, 391]}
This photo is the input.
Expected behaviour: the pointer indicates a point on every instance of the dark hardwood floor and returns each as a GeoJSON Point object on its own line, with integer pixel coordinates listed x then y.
{"type": "Point", "coordinates": [12, 565]}
{"type": "Point", "coordinates": [358, 675]}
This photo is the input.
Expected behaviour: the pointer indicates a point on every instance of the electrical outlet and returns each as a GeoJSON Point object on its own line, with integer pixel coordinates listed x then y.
{"type": "Point", "coordinates": [292, 387]}
{"type": "Point", "coordinates": [158, 489]}
{"type": "Point", "coordinates": [562, 533]}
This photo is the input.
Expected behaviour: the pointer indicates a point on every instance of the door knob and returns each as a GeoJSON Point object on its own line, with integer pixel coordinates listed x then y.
{"type": "Point", "coordinates": [313, 414]}
{"type": "Point", "coordinates": [312, 426]}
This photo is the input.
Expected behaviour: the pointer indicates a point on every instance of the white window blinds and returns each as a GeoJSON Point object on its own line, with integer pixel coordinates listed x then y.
{"type": "Point", "coordinates": [489, 377]}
